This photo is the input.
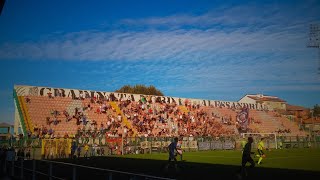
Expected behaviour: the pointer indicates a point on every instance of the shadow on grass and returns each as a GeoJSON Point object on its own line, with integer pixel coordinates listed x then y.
{"type": "Point", "coordinates": [186, 170]}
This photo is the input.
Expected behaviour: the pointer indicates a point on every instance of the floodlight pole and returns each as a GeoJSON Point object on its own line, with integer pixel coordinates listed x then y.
{"type": "Point", "coordinates": [122, 136]}
{"type": "Point", "coordinates": [314, 137]}
{"type": "Point", "coordinates": [319, 60]}
{"type": "Point", "coordinates": [314, 40]}
{"type": "Point", "coordinates": [275, 140]}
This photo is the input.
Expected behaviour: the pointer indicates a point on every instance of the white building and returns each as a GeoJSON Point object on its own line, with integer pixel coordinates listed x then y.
{"type": "Point", "coordinates": [271, 102]}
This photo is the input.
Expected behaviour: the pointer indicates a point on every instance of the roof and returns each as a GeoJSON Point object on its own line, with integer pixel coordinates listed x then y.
{"type": "Point", "coordinates": [3, 124]}
{"type": "Point", "coordinates": [295, 108]}
{"type": "Point", "coordinates": [284, 112]}
{"type": "Point", "coordinates": [311, 121]}
{"type": "Point", "coordinates": [266, 98]}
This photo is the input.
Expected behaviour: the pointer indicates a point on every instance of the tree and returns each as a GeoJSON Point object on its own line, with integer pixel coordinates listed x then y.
{"type": "Point", "coordinates": [140, 89]}
{"type": "Point", "coordinates": [316, 110]}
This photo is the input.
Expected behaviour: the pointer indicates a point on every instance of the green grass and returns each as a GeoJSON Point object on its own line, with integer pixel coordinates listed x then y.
{"type": "Point", "coordinates": [299, 159]}
{"type": "Point", "coordinates": [222, 164]}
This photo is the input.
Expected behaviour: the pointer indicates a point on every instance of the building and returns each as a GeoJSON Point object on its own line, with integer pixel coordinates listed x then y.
{"type": "Point", "coordinates": [5, 131]}
{"type": "Point", "coordinates": [298, 111]}
{"type": "Point", "coordinates": [271, 102]}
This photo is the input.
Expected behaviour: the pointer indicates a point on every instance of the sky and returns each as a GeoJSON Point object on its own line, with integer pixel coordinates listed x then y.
{"type": "Point", "coordinates": [215, 50]}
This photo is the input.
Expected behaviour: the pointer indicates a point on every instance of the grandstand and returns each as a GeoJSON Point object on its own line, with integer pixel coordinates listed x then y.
{"type": "Point", "coordinates": [50, 121]}
{"type": "Point", "coordinates": [59, 112]}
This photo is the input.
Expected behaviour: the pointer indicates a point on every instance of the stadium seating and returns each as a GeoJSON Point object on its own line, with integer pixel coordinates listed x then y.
{"type": "Point", "coordinates": [144, 118]}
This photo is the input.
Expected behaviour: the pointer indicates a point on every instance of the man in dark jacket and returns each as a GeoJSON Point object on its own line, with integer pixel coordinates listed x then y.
{"type": "Point", "coordinates": [246, 157]}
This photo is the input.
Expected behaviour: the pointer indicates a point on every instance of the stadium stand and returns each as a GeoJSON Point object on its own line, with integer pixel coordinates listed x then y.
{"type": "Point", "coordinates": [85, 116]}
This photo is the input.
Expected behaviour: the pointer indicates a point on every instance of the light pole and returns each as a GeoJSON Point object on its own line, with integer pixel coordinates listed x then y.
{"type": "Point", "coordinates": [314, 137]}
{"type": "Point", "coordinates": [122, 135]}
{"type": "Point", "coordinates": [312, 119]}
{"type": "Point", "coordinates": [314, 40]}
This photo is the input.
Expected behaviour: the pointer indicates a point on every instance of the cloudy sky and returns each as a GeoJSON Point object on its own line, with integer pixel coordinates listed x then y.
{"type": "Point", "coordinates": [217, 50]}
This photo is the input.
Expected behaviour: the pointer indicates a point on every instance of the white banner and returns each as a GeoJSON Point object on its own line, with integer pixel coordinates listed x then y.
{"type": "Point", "coordinates": [76, 93]}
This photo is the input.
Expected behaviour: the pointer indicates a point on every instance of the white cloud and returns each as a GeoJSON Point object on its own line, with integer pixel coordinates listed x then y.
{"type": "Point", "coordinates": [229, 30]}
{"type": "Point", "coordinates": [149, 45]}
{"type": "Point", "coordinates": [255, 15]}
{"type": "Point", "coordinates": [241, 46]}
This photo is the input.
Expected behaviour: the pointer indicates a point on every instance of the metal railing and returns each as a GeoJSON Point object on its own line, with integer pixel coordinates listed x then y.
{"type": "Point", "coordinates": [109, 173]}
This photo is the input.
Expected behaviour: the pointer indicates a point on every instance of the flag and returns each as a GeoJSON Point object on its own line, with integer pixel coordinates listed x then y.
{"type": "Point", "coordinates": [243, 119]}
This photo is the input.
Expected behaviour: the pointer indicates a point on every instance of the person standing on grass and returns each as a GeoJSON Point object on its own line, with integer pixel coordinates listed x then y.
{"type": "Point", "coordinates": [73, 150]}
{"type": "Point", "coordinates": [172, 156]}
{"type": "Point", "coordinates": [79, 151]}
{"type": "Point", "coordinates": [246, 157]}
{"type": "Point", "coordinates": [86, 150]}
{"type": "Point", "coordinates": [2, 160]}
{"type": "Point", "coordinates": [179, 149]}
{"type": "Point", "coordinates": [280, 144]}
{"type": "Point", "coordinates": [243, 143]}
{"type": "Point", "coordinates": [28, 154]}
{"type": "Point", "coordinates": [261, 147]}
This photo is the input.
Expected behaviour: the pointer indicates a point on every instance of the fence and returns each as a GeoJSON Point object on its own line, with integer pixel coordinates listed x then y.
{"type": "Point", "coordinates": [25, 141]}
{"type": "Point", "coordinates": [299, 142]}
{"type": "Point", "coordinates": [140, 145]}
{"type": "Point", "coordinates": [160, 144]}
{"type": "Point", "coordinates": [38, 169]}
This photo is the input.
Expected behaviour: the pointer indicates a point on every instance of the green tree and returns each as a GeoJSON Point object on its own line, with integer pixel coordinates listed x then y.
{"type": "Point", "coordinates": [140, 89]}
{"type": "Point", "coordinates": [316, 110]}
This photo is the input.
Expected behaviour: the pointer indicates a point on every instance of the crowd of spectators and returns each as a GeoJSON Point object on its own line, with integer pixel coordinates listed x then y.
{"type": "Point", "coordinates": [147, 117]}
{"type": "Point", "coordinates": [156, 118]}
{"type": "Point", "coordinates": [283, 131]}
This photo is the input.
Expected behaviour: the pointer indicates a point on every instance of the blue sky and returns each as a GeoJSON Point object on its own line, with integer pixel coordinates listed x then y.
{"type": "Point", "coordinates": [219, 50]}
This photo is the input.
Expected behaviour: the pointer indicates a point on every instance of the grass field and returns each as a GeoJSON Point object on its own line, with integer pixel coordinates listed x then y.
{"type": "Point", "coordinates": [300, 159]}
{"type": "Point", "coordinates": [300, 164]}
{"type": "Point", "coordinates": [224, 164]}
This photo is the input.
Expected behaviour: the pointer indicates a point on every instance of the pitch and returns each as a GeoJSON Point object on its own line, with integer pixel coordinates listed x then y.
{"type": "Point", "coordinates": [279, 164]}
